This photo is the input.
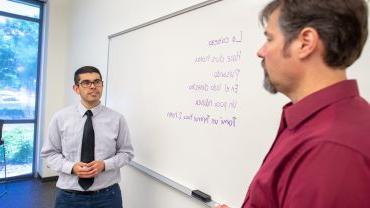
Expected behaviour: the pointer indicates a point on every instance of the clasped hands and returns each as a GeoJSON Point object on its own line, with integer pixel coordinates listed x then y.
{"type": "Point", "coordinates": [88, 170]}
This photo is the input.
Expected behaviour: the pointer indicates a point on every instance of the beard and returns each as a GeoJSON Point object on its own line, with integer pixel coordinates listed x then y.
{"type": "Point", "coordinates": [267, 84]}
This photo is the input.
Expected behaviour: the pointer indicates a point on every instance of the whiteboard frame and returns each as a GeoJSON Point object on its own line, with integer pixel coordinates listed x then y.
{"type": "Point", "coordinates": [160, 19]}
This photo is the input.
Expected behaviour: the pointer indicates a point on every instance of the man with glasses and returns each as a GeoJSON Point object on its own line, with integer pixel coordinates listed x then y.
{"type": "Point", "coordinates": [87, 145]}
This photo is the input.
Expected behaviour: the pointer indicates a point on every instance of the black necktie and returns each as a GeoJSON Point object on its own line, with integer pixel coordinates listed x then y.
{"type": "Point", "coordinates": [87, 150]}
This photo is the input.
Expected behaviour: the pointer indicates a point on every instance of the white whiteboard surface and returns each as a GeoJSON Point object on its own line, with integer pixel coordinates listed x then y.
{"type": "Point", "coordinates": [191, 90]}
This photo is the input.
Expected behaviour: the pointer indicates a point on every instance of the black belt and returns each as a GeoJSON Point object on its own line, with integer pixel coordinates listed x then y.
{"type": "Point", "coordinates": [88, 192]}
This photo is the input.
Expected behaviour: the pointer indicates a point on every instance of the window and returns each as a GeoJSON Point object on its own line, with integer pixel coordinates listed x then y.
{"type": "Point", "coordinates": [20, 39]}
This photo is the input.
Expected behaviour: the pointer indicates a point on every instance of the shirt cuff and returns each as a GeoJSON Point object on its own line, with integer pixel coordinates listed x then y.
{"type": "Point", "coordinates": [109, 164]}
{"type": "Point", "coordinates": [67, 167]}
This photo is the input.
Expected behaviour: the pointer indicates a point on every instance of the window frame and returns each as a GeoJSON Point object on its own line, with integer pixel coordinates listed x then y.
{"type": "Point", "coordinates": [33, 121]}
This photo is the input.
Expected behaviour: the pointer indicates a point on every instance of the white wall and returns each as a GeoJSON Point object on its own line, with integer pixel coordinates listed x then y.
{"type": "Point", "coordinates": [53, 77]}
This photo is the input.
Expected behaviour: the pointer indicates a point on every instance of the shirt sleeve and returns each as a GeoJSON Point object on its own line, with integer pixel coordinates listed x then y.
{"type": "Point", "coordinates": [329, 175]}
{"type": "Point", "coordinates": [124, 148]}
{"type": "Point", "coordinates": [52, 150]}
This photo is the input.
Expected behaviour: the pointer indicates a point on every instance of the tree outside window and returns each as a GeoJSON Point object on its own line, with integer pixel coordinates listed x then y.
{"type": "Point", "coordinates": [20, 24]}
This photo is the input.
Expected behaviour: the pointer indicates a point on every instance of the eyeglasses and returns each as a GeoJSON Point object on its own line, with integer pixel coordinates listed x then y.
{"type": "Point", "coordinates": [87, 83]}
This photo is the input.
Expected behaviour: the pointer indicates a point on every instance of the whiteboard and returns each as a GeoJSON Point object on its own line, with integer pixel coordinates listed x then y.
{"type": "Point", "coordinates": [190, 87]}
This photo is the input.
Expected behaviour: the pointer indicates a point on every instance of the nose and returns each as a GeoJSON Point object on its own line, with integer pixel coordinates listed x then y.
{"type": "Point", "coordinates": [261, 52]}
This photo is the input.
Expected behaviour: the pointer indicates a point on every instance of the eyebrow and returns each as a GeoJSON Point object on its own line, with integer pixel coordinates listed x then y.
{"type": "Point", "coordinates": [89, 80]}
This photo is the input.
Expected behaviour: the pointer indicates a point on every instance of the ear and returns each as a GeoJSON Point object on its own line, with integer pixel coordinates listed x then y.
{"type": "Point", "coordinates": [76, 89]}
{"type": "Point", "coordinates": [308, 40]}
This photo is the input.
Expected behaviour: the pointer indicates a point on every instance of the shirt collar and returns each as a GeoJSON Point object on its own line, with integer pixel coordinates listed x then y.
{"type": "Point", "coordinates": [296, 113]}
{"type": "Point", "coordinates": [95, 110]}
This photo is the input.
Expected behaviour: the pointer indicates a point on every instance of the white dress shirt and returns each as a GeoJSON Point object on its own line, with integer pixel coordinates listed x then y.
{"type": "Point", "coordinates": [62, 148]}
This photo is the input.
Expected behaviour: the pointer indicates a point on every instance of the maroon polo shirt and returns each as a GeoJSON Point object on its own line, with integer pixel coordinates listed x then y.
{"type": "Point", "coordinates": [321, 155]}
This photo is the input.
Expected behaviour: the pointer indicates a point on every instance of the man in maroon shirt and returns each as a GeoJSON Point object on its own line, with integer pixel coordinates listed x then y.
{"type": "Point", "coordinates": [321, 154]}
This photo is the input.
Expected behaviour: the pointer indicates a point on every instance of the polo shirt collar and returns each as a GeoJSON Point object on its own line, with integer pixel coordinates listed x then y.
{"type": "Point", "coordinates": [95, 110]}
{"type": "Point", "coordinates": [297, 113]}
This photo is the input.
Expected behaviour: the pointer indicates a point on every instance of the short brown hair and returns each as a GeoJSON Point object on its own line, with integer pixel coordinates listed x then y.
{"type": "Point", "coordinates": [83, 70]}
{"type": "Point", "coordinates": [341, 24]}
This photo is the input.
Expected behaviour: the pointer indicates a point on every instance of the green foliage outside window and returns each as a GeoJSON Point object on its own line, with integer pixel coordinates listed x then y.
{"type": "Point", "coordinates": [18, 68]}
{"type": "Point", "coordinates": [18, 146]}
{"type": "Point", "coordinates": [20, 23]}
{"type": "Point", "coordinates": [18, 53]}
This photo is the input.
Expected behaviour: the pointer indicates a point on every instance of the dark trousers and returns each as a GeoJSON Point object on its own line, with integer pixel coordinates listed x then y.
{"type": "Point", "coordinates": [106, 198]}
